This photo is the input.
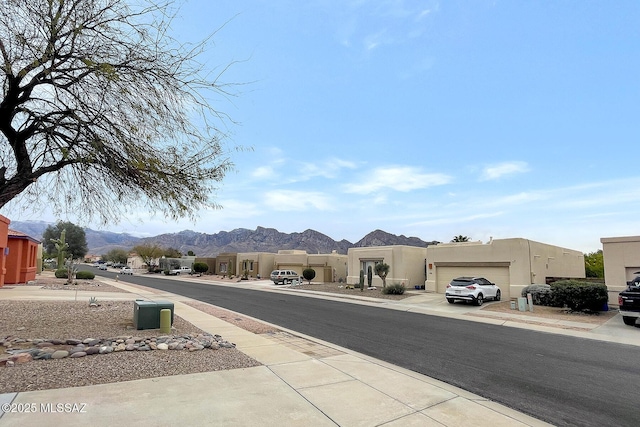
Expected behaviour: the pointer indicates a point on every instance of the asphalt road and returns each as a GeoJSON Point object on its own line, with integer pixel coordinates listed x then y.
{"type": "Point", "coordinates": [559, 379]}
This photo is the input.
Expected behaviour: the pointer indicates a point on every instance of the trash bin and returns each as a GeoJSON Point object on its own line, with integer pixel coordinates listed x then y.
{"type": "Point", "coordinates": [146, 314]}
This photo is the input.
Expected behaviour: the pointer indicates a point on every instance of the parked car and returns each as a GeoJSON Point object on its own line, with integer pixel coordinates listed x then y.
{"type": "Point", "coordinates": [283, 276]}
{"type": "Point", "coordinates": [103, 267]}
{"type": "Point", "coordinates": [474, 289]}
{"type": "Point", "coordinates": [629, 301]}
{"type": "Point", "coordinates": [126, 270]}
{"type": "Point", "coordinates": [180, 270]}
{"type": "Point", "coordinates": [118, 265]}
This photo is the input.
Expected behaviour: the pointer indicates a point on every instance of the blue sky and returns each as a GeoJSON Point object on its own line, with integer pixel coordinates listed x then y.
{"type": "Point", "coordinates": [425, 118]}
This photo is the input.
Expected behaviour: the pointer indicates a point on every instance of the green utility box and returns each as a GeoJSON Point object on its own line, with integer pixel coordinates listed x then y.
{"type": "Point", "coordinates": [146, 314]}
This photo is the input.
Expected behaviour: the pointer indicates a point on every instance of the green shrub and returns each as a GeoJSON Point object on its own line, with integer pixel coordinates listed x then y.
{"type": "Point", "coordinates": [200, 267]}
{"type": "Point", "coordinates": [395, 289]}
{"type": "Point", "coordinates": [166, 272]}
{"type": "Point", "coordinates": [579, 295]}
{"type": "Point", "coordinates": [309, 274]}
{"type": "Point", "coordinates": [540, 294]}
{"type": "Point", "coordinates": [85, 275]}
{"type": "Point", "coordinates": [61, 273]}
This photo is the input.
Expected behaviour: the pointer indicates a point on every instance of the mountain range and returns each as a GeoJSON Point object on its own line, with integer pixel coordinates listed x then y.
{"type": "Point", "coordinates": [239, 240]}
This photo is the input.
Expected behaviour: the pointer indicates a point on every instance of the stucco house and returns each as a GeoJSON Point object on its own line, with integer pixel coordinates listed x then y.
{"type": "Point", "coordinates": [4, 246]}
{"type": "Point", "coordinates": [226, 264]}
{"type": "Point", "coordinates": [255, 263]}
{"type": "Point", "coordinates": [406, 264]}
{"type": "Point", "coordinates": [510, 263]}
{"type": "Point", "coordinates": [328, 267]}
{"type": "Point", "coordinates": [22, 259]}
{"type": "Point", "coordinates": [621, 263]}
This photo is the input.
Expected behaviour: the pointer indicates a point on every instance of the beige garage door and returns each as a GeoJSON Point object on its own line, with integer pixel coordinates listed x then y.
{"type": "Point", "coordinates": [293, 267]}
{"type": "Point", "coordinates": [497, 275]}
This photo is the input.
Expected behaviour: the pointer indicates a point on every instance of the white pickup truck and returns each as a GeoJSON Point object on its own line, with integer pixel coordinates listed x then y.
{"type": "Point", "coordinates": [178, 271]}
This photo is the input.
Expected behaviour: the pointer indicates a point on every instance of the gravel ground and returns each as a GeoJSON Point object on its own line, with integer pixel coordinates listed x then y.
{"type": "Point", "coordinates": [47, 281]}
{"type": "Point", "coordinates": [67, 319]}
{"type": "Point", "coordinates": [555, 313]}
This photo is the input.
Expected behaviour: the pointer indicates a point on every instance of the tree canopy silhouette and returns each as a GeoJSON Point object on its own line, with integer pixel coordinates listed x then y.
{"type": "Point", "coordinates": [101, 110]}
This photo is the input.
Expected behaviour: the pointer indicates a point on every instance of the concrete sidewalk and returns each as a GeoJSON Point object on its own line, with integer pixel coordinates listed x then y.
{"type": "Point", "coordinates": [303, 382]}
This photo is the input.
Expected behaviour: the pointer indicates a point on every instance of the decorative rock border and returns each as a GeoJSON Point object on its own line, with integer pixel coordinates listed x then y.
{"type": "Point", "coordinates": [45, 349]}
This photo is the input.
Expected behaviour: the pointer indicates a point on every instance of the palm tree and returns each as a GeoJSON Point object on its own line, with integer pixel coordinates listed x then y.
{"type": "Point", "coordinates": [382, 270]}
{"type": "Point", "coordinates": [460, 238]}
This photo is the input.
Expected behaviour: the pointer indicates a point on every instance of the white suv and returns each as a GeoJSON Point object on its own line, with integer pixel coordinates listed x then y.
{"type": "Point", "coordinates": [283, 276]}
{"type": "Point", "coordinates": [474, 289]}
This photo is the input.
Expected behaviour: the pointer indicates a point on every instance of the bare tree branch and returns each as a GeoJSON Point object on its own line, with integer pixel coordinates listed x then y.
{"type": "Point", "coordinates": [96, 91]}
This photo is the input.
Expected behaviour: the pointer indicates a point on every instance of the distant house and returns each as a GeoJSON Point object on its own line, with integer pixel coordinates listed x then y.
{"type": "Point", "coordinates": [328, 267]}
{"type": "Point", "coordinates": [4, 246]}
{"type": "Point", "coordinates": [22, 259]}
{"type": "Point", "coordinates": [226, 264]}
{"type": "Point", "coordinates": [255, 264]}
{"type": "Point", "coordinates": [406, 264]}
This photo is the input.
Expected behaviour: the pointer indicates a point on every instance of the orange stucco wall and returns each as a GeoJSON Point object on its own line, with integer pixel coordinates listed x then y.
{"type": "Point", "coordinates": [21, 261]}
{"type": "Point", "coordinates": [4, 232]}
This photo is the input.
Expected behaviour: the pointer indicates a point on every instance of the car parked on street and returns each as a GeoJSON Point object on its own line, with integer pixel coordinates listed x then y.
{"type": "Point", "coordinates": [472, 289]}
{"type": "Point", "coordinates": [284, 276]}
{"type": "Point", "coordinates": [126, 270]}
{"type": "Point", "coordinates": [102, 267]}
{"type": "Point", "coordinates": [629, 302]}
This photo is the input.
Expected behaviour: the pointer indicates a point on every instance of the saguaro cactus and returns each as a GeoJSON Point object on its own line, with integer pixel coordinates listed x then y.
{"type": "Point", "coordinates": [61, 246]}
{"type": "Point", "coordinates": [361, 280]}
{"type": "Point", "coordinates": [369, 275]}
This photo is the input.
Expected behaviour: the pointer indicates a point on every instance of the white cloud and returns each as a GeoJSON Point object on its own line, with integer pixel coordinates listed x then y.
{"type": "Point", "coordinates": [290, 200]}
{"type": "Point", "coordinates": [264, 172]}
{"type": "Point", "coordinates": [399, 178]}
{"type": "Point", "coordinates": [297, 171]}
{"type": "Point", "coordinates": [499, 170]}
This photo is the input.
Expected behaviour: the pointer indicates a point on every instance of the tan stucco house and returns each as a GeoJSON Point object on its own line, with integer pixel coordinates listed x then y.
{"type": "Point", "coordinates": [406, 264]}
{"type": "Point", "coordinates": [328, 267]}
{"type": "Point", "coordinates": [510, 263]}
{"type": "Point", "coordinates": [255, 264]}
{"type": "Point", "coordinates": [621, 263]}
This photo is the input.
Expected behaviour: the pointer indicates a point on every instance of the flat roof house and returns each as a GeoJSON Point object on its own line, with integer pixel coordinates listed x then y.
{"type": "Point", "coordinates": [510, 263]}
{"type": "Point", "coordinates": [406, 264]}
{"type": "Point", "coordinates": [621, 263]}
{"type": "Point", "coordinates": [22, 259]}
{"type": "Point", "coordinates": [4, 242]}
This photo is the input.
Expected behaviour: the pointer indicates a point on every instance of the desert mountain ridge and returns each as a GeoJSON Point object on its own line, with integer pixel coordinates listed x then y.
{"type": "Point", "coordinates": [261, 239]}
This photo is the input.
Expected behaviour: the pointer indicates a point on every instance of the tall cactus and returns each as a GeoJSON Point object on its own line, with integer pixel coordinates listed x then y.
{"type": "Point", "coordinates": [369, 275]}
{"type": "Point", "coordinates": [361, 280]}
{"type": "Point", "coordinates": [61, 246]}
